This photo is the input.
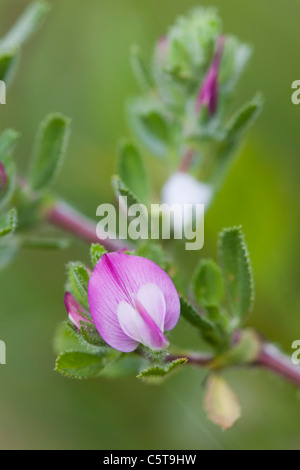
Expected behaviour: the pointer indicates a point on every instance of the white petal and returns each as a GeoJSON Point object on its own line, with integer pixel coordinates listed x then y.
{"type": "Point", "coordinates": [152, 299]}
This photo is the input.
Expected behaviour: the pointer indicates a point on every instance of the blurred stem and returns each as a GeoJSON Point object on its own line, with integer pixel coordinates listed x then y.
{"type": "Point", "coordinates": [269, 358]}
{"type": "Point", "coordinates": [65, 217]}
{"type": "Point", "coordinates": [186, 161]}
{"type": "Point", "coordinates": [274, 360]}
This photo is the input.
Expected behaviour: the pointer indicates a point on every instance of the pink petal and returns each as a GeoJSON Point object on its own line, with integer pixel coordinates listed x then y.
{"type": "Point", "coordinates": [118, 277]}
{"type": "Point", "coordinates": [209, 91]}
{"type": "Point", "coordinates": [74, 308]}
{"type": "Point", "coordinates": [138, 325]}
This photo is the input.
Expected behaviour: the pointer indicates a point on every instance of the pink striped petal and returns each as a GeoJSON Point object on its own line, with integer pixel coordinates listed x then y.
{"type": "Point", "coordinates": [138, 325]}
{"type": "Point", "coordinates": [153, 301]}
{"type": "Point", "coordinates": [118, 278]}
{"type": "Point", "coordinates": [209, 92]}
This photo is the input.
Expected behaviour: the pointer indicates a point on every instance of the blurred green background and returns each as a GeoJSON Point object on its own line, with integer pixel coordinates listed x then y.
{"type": "Point", "coordinates": [78, 64]}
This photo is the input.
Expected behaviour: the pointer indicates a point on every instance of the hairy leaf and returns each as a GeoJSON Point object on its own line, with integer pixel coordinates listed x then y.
{"type": "Point", "coordinates": [50, 148]}
{"type": "Point", "coordinates": [237, 272]}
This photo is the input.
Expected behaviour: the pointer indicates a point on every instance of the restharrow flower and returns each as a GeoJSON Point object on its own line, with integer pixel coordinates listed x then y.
{"type": "Point", "coordinates": [209, 92]}
{"type": "Point", "coordinates": [75, 310]}
{"type": "Point", "coordinates": [132, 301]}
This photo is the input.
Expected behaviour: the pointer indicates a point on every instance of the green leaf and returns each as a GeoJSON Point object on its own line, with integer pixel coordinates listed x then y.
{"type": "Point", "coordinates": [208, 283]}
{"type": "Point", "coordinates": [9, 249]}
{"type": "Point", "coordinates": [150, 127]}
{"type": "Point", "coordinates": [96, 253]}
{"type": "Point", "coordinates": [80, 365]}
{"type": "Point", "coordinates": [78, 278]}
{"type": "Point", "coordinates": [157, 372]}
{"type": "Point", "coordinates": [8, 141]}
{"type": "Point", "coordinates": [153, 252]}
{"type": "Point", "coordinates": [237, 272]}
{"type": "Point", "coordinates": [122, 190]}
{"type": "Point", "coordinates": [50, 148]}
{"type": "Point", "coordinates": [233, 136]}
{"type": "Point", "coordinates": [45, 243]}
{"type": "Point", "coordinates": [8, 222]}
{"type": "Point", "coordinates": [29, 22]}
{"type": "Point", "coordinates": [8, 60]}
{"type": "Point", "coordinates": [140, 69]}
{"type": "Point", "coordinates": [132, 171]}
{"type": "Point", "coordinates": [207, 328]}
{"type": "Point", "coordinates": [235, 58]}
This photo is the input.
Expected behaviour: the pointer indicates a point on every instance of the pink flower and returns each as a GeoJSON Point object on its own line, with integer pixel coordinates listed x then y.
{"type": "Point", "coordinates": [3, 177]}
{"type": "Point", "coordinates": [132, 301]}
{"type": "Point", "coordinates": [75, 311]}
{"type": "Point", "coordinates": [209, 92]}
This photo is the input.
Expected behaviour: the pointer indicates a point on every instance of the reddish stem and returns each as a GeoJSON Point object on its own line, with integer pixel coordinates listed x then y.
{"type": "Point", "coordinates": [186, 161]}
{"type": "Point", "coordinates": [272, 359]}
{"type": "Point", "coordinates": [66, 218]}
{"type": "Point", "coordinates": [269, 358]}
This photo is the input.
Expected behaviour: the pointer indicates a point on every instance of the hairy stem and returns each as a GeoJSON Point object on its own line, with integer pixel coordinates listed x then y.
{"type": "Point", "coordinates": [65, 217]}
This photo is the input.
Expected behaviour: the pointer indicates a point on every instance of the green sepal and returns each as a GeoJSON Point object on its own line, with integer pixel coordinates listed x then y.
{"type": "Point", "coordinates": [78, 279]}
{"type": "Point", "coordinates": [96, 253]}
{"type": "Point", "coordinates": [155, 373]}
{"type": "Point", "coordinates": [90, 334]}
{"type": "Point", "coordinates": [8, 222]}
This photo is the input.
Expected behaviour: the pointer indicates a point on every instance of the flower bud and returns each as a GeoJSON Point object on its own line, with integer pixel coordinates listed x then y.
{"type": "Point", "coordinates": [75, 310]}
{"type": "Point", "coordinates": [209, 92]}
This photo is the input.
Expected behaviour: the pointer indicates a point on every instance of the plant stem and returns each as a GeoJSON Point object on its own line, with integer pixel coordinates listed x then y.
{"type": "Point", "coordinates": [274, 360]}
{"type": "Point", "coordinates": [66, 218]}
{"type": "Point", "coordinates": [186, 161]}
{"type": "Point", "coordinates": [269, 358]}
{"type": "Point", "coordinates": [201, 360]}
